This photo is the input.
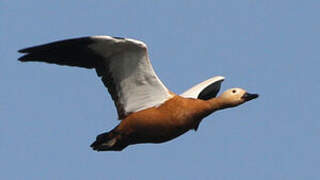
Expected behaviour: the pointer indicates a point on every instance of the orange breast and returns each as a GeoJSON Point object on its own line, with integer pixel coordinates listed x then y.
{"type": "Point", "coordinates": [163, 123]}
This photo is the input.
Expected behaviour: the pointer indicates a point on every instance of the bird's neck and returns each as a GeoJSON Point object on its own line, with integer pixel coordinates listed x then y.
{"type": "Point", "coordinates": [217, 104]}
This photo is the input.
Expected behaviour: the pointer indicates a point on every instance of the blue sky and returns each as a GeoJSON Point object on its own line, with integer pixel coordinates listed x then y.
{"type": "Point", "coordinates": [49, 115]}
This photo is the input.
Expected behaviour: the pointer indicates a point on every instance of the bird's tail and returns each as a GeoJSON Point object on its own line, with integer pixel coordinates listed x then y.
{"type": "Point", "coordinates": [110, 141]}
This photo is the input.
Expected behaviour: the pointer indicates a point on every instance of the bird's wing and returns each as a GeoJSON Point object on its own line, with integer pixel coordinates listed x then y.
{"type": "Point", "coordinates": [205, 90]}
{"type": "Point", "coordinates": [123, 65]}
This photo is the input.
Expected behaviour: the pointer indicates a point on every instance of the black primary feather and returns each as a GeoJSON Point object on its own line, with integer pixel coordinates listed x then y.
{"type": "Point", "coordinates": [210, 91]}
{"type": "Point", "coordinates": [71, 52]}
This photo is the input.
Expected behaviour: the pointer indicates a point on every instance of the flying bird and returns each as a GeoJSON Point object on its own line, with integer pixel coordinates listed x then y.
{"type": "Point", "coordinates": [149, 112]}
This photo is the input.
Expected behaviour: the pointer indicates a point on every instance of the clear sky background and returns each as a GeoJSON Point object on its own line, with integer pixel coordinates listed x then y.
{"type": "Point", "coordinates": [49, 115]}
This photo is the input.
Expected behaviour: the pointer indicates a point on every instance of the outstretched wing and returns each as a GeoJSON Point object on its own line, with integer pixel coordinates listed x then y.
{"type": "Point", "coordinates": [205, 90]}
{"type": "Point", "coordinates": [123, 65]}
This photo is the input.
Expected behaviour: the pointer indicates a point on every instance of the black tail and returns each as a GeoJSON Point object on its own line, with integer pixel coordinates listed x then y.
{"type": "Point", "coordinates": [110, 141]}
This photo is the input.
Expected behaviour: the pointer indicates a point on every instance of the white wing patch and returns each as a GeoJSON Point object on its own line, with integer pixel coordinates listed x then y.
{"type": "Point", "coordinates": [196, 90]}
{"type": "Point", "coordinates": [136, 85]}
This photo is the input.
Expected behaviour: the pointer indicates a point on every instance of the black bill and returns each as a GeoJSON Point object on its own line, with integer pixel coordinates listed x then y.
{"type": "Point", "coordinates": [248, 96]}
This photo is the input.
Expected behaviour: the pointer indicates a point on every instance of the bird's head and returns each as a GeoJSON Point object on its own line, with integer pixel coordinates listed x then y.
{"type": "Point", "coordinates": [236, 96]}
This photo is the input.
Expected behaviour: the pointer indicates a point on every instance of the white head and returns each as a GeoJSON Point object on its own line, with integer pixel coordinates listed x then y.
{"type": "Point", "coordinates": [236, 96]}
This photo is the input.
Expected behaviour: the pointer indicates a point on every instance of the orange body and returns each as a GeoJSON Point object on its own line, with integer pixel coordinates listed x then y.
{"type": "Point", "coordinates": [159, 124]}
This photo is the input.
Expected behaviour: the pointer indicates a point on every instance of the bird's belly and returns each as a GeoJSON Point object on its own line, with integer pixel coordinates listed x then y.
{"type": "Point", "coordinates": [166, 122]}
{"type": "Point", "coordinates": [158, 131]}
{"type": "Point", "coordinates": [156, 135]}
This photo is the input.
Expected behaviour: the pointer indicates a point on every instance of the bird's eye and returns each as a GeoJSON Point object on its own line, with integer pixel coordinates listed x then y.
{"type": "Point", "coordinates": [234, 91]}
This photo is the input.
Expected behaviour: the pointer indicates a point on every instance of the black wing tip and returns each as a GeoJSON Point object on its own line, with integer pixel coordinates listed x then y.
{"type": "Point", "coordinates": [23, 58]}
{"type": "Point", "coordinates": [24, 50]}
{"type": "Point", "coordinates": [26, 55]}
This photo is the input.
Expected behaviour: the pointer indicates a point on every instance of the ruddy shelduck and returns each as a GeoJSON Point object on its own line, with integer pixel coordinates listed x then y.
{"type": "Point", "coordinates": [150, 113]}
